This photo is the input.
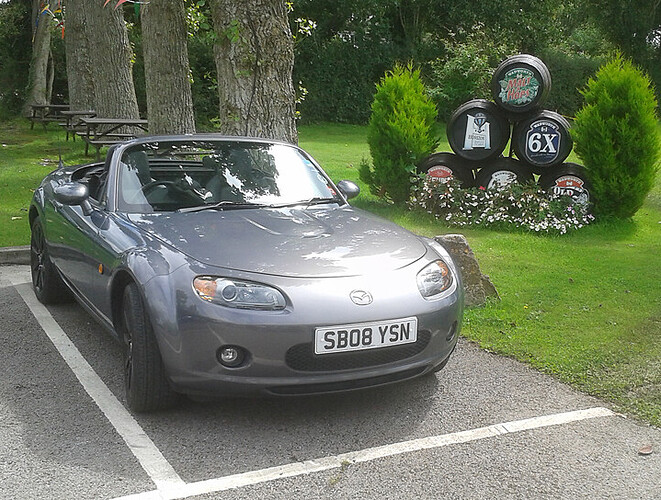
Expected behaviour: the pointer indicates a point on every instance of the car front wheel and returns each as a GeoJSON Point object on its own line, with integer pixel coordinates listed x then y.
{"type": "Point", "coordinates": [147, 388]}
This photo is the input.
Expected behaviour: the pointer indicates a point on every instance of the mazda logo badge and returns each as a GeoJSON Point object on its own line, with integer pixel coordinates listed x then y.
{"type": "Point", "coordinates": [361, 297]}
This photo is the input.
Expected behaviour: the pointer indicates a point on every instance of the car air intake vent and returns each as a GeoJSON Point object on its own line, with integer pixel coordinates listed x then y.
{"type": "Point", "coordinates": [347, 385]}
{"type": "Point", "coordinates": [301, 357]}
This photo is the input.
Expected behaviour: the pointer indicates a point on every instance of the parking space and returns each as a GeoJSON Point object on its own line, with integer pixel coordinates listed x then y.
{"type": "Point", "coordinates": [483, 427]}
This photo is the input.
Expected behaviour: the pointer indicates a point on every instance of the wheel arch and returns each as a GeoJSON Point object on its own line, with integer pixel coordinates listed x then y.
{"type": "Point", "coordinates": [121, 279]}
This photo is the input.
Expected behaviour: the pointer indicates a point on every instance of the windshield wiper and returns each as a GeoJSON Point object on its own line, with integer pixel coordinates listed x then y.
{"type": "Point", "coordinates": [317, 200]}
{"type": "Point", "coordinates": [221, 205]}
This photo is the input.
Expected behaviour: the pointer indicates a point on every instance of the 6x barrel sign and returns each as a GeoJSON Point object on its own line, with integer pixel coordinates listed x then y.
{"type": "Point", "coordinates": [542, 141]}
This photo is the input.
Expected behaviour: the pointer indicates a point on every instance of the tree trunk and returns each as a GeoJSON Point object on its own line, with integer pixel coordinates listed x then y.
{"type": "Point", "coordinates": [167, 72]}
{"type": "Point", "coordinates": [79, 58]}
{"type": "Point", "coordinates": [110, 61]}
{"type": "Point", "coordinates": [254, 59]}
{"type": "Point", "coordinates": [38, 79]}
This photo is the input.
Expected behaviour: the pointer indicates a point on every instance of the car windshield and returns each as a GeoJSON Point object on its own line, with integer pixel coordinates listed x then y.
{"type": "Point", "coordinates": [218, 175]}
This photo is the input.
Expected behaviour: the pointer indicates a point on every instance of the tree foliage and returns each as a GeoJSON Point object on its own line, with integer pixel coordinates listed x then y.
{"type": "Point", "coordinates": [15, 50]}
{"type": "Point", "coordinates": [616, 134]}
{"type": "Point", "coordinates": [400, 133]}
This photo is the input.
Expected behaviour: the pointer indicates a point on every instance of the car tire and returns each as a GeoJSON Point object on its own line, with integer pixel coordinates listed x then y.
{"type": "Point", "coordinates": [446, 166]}
{"type": "Point", "coordinates": [147, 387]}
{"type": "Point", "coordinates": [46, 280]}
{"type": "Point", "coordinates": [503, 172]}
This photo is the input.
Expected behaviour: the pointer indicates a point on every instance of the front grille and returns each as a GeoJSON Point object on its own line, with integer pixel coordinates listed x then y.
{"type": "Point", "coordinates": [301, 357]}
{"type": "Point", "coordinates": [347, 385]}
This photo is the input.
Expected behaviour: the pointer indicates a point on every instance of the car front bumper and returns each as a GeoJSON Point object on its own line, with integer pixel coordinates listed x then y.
{"type": "Point", "coordinates": [280, 344]}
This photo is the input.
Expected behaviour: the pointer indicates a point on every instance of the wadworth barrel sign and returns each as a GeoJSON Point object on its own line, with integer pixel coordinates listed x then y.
{"type": "Point", "coordinates": [478, 132]}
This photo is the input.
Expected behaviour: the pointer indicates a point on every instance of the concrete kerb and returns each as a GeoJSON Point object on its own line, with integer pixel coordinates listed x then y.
{"type": "Point", "coordinates": [15, 255]}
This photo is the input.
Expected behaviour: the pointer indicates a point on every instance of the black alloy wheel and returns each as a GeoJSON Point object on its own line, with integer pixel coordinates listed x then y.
{"type": "Point", "coordinates": [145, 381]}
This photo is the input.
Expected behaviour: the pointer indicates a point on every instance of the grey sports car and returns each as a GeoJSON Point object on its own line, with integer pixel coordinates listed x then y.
{"type": "Point", "coordinates": [232, 265]}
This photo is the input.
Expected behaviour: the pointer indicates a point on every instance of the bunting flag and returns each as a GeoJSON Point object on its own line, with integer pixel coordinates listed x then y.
{"type": "Point", "coordinates": [120, 2]}
{"type": "Point", "coordinates": [56, 14]}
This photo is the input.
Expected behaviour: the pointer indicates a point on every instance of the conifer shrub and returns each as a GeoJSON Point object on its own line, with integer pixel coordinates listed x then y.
{"type": "Point", "coordinates": [400, 133]}
{"type": "Point", "coordinates": [616, 135]}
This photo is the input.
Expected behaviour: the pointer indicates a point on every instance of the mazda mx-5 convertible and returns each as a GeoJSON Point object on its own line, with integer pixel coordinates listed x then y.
{"type": "Point", "coordinates": [232, 265]}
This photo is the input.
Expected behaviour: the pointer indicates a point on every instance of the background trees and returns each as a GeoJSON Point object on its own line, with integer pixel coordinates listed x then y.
{"type": "Point", "coordinates": [348, 46]}
{"type": "Point", "coordinates": [254, 57]}
{"type": "Point", "coordinates": [167, 80]}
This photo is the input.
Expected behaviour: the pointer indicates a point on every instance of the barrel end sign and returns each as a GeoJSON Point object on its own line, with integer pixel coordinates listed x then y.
{"type": "Point", "coordinates": [443, 167]}
{"type": "Point", "coordinates": [543, 140]}
{"type": "Point", "coordinates": [518, 87]}
{"type": "Point", "coordinates": [478, 133]}
{"type": "Point", "coordinates": [569, 179]}
{"type": "Point", "coordinates": [521, 83]}
{"type": "Point", "coordinates": [478, 130]}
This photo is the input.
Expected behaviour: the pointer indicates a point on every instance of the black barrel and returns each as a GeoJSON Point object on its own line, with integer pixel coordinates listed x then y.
{"type": "Point", "coordinates": [543, 140]}
{"type": "Point", "coordinates": [568, 179]}
{"type": "Point", "coordinates": [521, 84]}
{"type": "Point", "coordinates": [478, 130]}
{"type": "Point", "coordinates": [445, 166]}
{"type": "Point", "coordinates": [502, 172]}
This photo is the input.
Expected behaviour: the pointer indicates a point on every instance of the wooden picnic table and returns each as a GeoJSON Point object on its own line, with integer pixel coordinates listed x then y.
{"type": "Point", "coordinates": [101, 132]}
{"type": "Point", "coordinates": [44, 113]}
{"type": "Point", "coordinates": [73, 121]}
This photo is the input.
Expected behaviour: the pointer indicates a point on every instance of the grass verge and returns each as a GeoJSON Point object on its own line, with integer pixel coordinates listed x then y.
{"type": "Point", "coordinates": [584, 307]}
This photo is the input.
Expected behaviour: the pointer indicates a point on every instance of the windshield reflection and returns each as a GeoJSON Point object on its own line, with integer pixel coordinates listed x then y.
{"type": "Point", "coordinates": [170, 176]}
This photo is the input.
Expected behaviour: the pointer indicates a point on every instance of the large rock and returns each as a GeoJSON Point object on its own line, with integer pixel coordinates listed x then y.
{"type": "Point", "coordinates": [477, 286]}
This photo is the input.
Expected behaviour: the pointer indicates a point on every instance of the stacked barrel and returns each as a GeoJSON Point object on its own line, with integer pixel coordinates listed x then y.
{"type": "Point", "coordinates": [479, 130]}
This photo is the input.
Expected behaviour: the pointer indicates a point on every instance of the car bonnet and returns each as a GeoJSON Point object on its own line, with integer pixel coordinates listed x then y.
{"type": "Point", "coordinates": [316, 242]}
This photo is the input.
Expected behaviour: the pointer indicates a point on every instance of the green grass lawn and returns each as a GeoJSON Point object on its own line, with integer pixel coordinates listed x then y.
{"type": "Point", "coordinates": [585, 307]}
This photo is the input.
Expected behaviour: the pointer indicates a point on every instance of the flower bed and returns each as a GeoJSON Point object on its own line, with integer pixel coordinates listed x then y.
{"type": "Point", "coordinates": [518, 206]}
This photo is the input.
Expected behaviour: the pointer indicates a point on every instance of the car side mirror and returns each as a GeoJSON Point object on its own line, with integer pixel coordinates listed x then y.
{"type": "Point", "coordinates": [348, 189]}
{"type": "Point", "coordinates": [73, 193]}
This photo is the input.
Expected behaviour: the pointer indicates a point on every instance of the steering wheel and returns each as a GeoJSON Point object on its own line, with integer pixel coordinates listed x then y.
{"type": "Point", "coordinates": [149, 187]}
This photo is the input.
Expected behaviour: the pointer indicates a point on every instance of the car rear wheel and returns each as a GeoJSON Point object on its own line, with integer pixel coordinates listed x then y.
{"type": "Point", "coordinates": [147, 388]}
{"type": "Point", "coordinates": [46, 282]}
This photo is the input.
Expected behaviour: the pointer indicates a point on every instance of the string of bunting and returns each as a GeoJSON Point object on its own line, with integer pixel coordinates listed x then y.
{"type": "Point", "coordinates": [56, 13]}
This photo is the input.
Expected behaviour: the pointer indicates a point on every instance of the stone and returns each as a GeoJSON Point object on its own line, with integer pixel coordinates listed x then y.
{"type": "Point", "coordinates": [477, 286]}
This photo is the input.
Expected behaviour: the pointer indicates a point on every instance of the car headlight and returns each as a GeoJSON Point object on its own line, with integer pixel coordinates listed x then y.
{"type": "Point", "coordinates": [434, 279]}
{"type": "Point", "coordinates": [239, 294]}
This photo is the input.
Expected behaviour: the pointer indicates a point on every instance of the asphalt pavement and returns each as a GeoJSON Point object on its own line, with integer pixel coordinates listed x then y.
{"type": "Point", "coordinates": [484, 427]}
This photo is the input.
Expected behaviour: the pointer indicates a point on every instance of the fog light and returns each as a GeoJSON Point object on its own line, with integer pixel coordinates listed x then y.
{"type": "Point", "coordinates": [231, 356]}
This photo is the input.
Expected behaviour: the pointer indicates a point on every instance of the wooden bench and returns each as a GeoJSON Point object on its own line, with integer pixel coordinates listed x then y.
{"type": "Point", "coordinates": [73, 124]}
{"type": "Point", "coordinates": [100, 132]}
{"type": "Point", "coordinates": [45, 113]}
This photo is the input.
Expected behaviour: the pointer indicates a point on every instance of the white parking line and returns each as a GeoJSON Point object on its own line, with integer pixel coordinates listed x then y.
{"type": "Point", "coordinates": [151, 459]}
{"type": "Point", "coordinates": [170, 486]}
{"type": "Point", "coordinates": [369, 454]}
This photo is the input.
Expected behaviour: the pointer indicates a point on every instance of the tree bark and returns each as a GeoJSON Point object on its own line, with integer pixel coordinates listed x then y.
{"type": "Point", "coordinates": [110, 61]}
{"type": "Point", "coordinates": [38, 77]}
{"type": "Point", "coordinates": [254, 56]}
{"type": "Point", "coordinates": [167, 71]}
{"type": "Point", "coordinates": [80, 79]}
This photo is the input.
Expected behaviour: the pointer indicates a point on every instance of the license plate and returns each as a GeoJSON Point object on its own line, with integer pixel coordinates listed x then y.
{"type": "Point", "coordinates": [359, 336]}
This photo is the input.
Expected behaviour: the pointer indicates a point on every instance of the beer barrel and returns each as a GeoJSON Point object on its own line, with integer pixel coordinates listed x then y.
{"type": "Point", "coordinates": [445, 166]}
{"type": "Point", "coordinates": [542, 140]}
{"type": "Point", "coordinates": [502, 172]}
{"type": "Point", "coordinates": [520, 83]}
{"type": "Point", "coordinates": [568, 179]}
{"type": "Point", "coordinates": [478, 130]}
